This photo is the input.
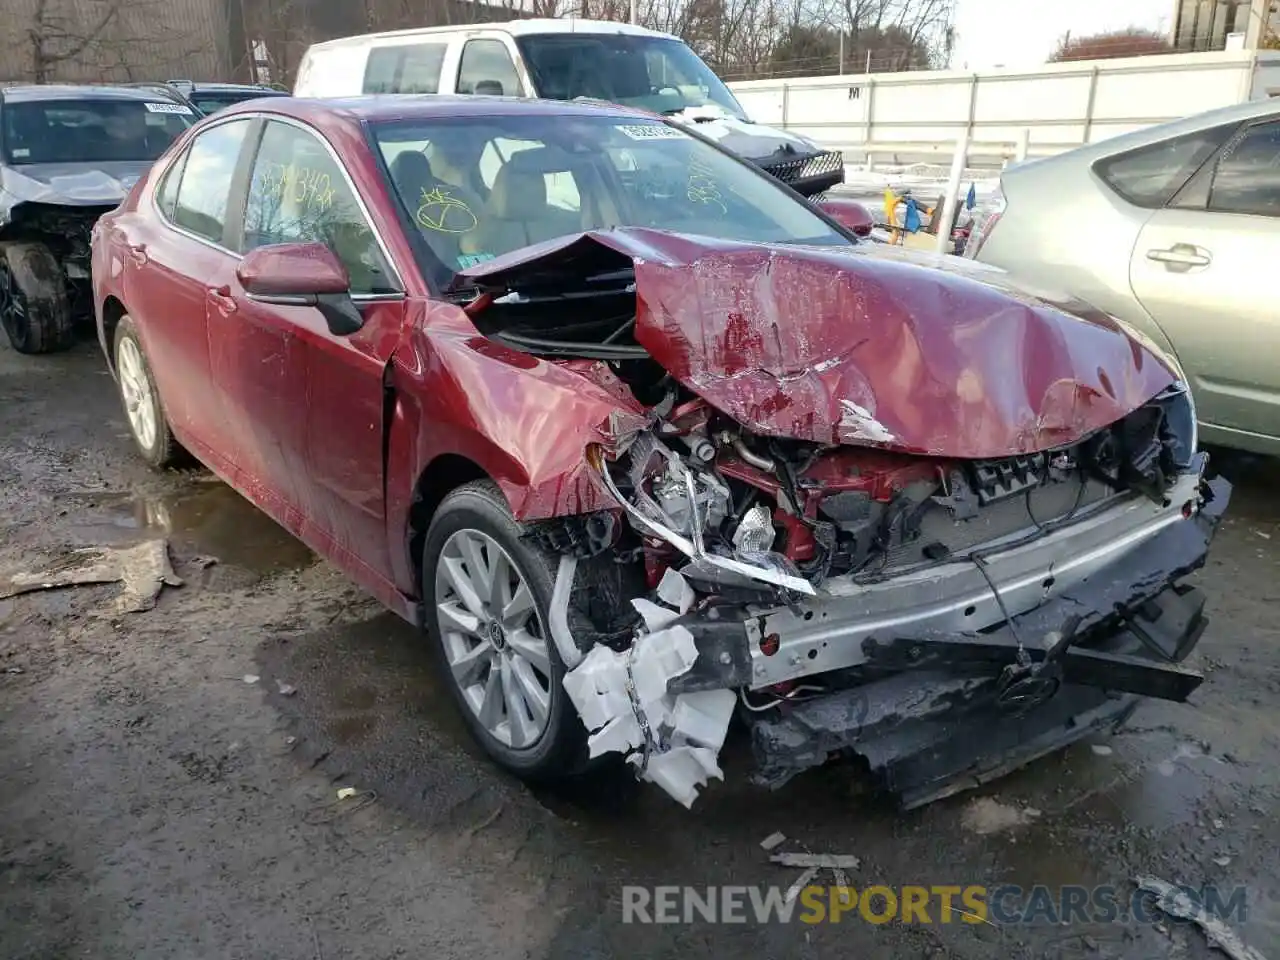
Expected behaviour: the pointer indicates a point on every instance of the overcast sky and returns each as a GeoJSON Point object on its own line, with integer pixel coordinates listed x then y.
{"type": "Point", "coordinates": [1022, 33]}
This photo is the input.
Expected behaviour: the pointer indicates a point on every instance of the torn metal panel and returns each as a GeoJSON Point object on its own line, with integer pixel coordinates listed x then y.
{"type": "Point", "coordinates": [836, 345]}
{"type": "Point", "coordinates": [68, 184]}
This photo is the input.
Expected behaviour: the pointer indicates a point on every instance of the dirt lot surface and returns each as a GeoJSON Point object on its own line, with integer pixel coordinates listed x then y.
{"type": "Point", "coordinates": [169, 776]}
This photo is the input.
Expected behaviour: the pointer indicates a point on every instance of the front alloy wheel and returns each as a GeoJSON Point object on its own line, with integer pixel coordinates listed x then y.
{"type": "Point", "coordinates": [486, 591]}
{"type": "Point", "coordinates": [494, 638]}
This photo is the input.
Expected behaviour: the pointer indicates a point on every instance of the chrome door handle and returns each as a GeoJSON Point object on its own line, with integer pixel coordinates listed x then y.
{"type": "Point", "coordinates": [1181, 255]}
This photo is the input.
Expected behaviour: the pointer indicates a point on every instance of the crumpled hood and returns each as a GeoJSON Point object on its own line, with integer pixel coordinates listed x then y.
{"type": "Point", "coordinates": [74, 184]}
{"type": "Point", "coordinates": [854, 345]}
{"type": "Point", "coordinates": [751, 141]}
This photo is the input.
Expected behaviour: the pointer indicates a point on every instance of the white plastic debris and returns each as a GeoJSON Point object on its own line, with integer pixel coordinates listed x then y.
{"type": "Point", "coordinates": [655, 617]}
{"type": "Point", "coordinates": [674, 591]}
{"type": "Point", "coordinates": [679, 771]}
{"type": "Point", "coordinates": [672, 740]}
{"type": "Point", "coordinates": [703, 717]}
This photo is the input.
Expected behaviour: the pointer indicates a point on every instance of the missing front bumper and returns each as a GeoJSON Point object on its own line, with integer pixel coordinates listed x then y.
{"type": "Point", "coordinates": [933, 712]}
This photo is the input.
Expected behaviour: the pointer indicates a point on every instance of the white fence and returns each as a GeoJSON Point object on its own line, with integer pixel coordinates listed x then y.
{"type": "Point", "coordinates": [919, 116]}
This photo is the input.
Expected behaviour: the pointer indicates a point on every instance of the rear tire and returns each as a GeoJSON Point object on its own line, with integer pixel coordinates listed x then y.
{"type": "Point", "coordinates": [34, 307]}
{"type": "Point", "coordinates": [495, 652]}
{"type": "Point", "coordinates": [143, 409]}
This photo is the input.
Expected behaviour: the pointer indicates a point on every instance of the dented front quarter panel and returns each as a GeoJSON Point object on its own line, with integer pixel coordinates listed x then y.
{"type": "Point", "coordinates": [845, 345]}
{"type": "Point", "coordinates": [525, 421]}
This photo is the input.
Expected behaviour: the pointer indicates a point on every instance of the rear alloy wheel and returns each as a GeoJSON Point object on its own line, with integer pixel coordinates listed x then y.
{"type": "Point", "coordinates": [34, 309]}
{"type": "Point", "coordinates": [141, 399]}
{"type": "Point", "coordinates": [487, 593]}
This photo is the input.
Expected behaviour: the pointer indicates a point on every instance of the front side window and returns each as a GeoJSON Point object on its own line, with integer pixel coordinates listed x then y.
{"type": "Point", "coordinates": [1149, 176]}
{"type": "Point", "coordinates": [91, 131]}
{"type": "Point", "coordinates": [405, 69]}
{"type": "Point", "coordinates": [541, 177]}
{"type": "Point", "coordinates": [654, 73]}
{"type": "Point", "coordinates": [1248, 176]}
{"type": "Point", "coordinates": [487, 69]}
{"type": "Point", "coordinates": [205, 188]}
{"type": "Point", "coordinates": [298, 194]}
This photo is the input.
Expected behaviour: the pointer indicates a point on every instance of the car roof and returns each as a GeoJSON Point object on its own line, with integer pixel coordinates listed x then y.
{"type": "Point", "coordinates": [1235, 113]}
{"type": "Point", "coordinates": [35, 93]}
{"type": "Point", "coordinates": [517, 28]}
{"type": "Point", "coordinates": [399, 106]}
{"type": "Point", "coordinates": [198, 86]}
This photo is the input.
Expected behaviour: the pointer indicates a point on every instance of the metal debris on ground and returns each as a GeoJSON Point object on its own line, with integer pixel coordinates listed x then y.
{"type": "Point", "coordinates": [772, 840]}
{"type": "Point", "coordinates": [802, 881]}
{"type": "Point", "coordinates": [1178, 903]}
{"type": "Point", "coordinates": [285, 689]}
{"type": "Point", "coordinates": [346, 792]}
{"type": "Point", "coordinates": [250, 678]}
{"type": "Point", "coordinates": [143, 570]}
{"type": "Point", "coordinates": [1102, 750]}
{"type": "Point", "coordinates": [819, 861]}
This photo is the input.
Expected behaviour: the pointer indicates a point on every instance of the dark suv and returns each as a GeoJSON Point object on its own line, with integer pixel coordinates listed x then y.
{"type": "Point", "coordinates": [68, 154]}
{"type": "Point", "coordinates": [209, 98]}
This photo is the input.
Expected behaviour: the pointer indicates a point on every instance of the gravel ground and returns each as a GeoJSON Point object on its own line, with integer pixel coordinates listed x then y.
{"type": "Point", "coordinates": [158, 801]}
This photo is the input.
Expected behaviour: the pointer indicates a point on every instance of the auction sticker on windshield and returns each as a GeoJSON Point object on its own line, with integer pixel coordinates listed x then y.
{"type": "Point", "coordinates": [652, 131]}
{"type": "Point", "coordinates": [168, 108]}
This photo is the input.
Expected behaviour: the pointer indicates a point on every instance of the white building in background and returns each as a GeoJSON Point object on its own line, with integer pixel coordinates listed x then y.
{"type": "Point", "coordinates": [1206, 24]}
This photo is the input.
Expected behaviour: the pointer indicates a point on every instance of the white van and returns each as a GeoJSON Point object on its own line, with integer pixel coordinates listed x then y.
{"type": "Point", "coordinates": [563, 60]}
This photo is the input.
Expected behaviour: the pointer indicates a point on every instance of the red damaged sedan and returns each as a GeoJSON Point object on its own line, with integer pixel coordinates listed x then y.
{"type": "Point", "coordinates": [650, 446]}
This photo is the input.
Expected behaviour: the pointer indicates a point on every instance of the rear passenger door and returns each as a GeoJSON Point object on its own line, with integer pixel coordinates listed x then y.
{"type": "Point", "coordinates": [1203, 268]}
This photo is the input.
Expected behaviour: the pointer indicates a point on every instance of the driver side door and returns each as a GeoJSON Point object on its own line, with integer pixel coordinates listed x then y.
{"type": "Point", "coordinates": [315, 399]}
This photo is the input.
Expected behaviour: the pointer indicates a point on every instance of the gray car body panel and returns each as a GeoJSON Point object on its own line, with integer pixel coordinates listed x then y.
{"type": "Point", "coordinates": [1064, 227]}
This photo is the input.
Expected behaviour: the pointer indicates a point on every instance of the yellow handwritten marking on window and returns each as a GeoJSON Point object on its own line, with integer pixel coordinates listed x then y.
{"type": "Point", "coordinates": [702, 186]}
{"type": "Point", "coordinates": [444, 213]}
{"type": "Point", "coordinates": [305, 186]}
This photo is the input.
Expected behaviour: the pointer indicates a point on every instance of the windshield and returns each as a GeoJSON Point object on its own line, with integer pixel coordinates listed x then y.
{"type": "Point", "coordinates": [91, 131]}
{"type": "Point", "coordinates": [478, 187]}
{"type": "Point", "coordinates": [654, 73]}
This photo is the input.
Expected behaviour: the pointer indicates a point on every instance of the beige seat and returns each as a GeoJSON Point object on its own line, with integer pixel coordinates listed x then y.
{"type": "Point", "coordinates": [517, 214]}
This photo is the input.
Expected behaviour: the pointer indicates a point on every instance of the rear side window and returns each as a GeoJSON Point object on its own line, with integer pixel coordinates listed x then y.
{"type": "Point", "coordinates": [487, 69]}
{"type": "Point", "coordinates": [205, 188]}
{"type": "Point", "coordinates": [1248, 176]}
{"type": "Point", "coordinates": [1151, 175]}
{"type": "Point", "coordinates": [408, 69]}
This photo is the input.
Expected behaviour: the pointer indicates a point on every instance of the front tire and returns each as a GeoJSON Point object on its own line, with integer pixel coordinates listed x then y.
{"type": "Point", "coordinates": [487, 593]}
{"type": "Point", "coordinates": [143, 409]}
{"type": "Point", "coordinates": [34, 307]}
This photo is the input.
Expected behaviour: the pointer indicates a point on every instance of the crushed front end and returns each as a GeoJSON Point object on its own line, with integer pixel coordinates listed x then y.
{"type": "Point", "coordinates": [944, 620]}
{"type": "Point", "coordinates": [868, 508]}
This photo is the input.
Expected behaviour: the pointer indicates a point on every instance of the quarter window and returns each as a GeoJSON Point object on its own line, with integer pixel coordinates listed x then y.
{"type": "Point", "coordinates": [1149, 176]}
{"type": "Point", "coordinates": [1248, 176]}
{"type": "Point", "coordinates": [299, 194]}
{"type": "Point", "coordinates": [487, 69]}
{"type": "Point", "coordinates": [205, 185]}
{"type": "Point", "coordinates": [167, 195]}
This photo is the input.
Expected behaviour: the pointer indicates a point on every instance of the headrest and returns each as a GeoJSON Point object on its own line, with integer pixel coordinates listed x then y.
{"type": "Point", "coordinates": [541, 160]}
{"type": "Point", "coordinates": [518, 194]}
{"type": "Point", "coordinates": [411, 168]}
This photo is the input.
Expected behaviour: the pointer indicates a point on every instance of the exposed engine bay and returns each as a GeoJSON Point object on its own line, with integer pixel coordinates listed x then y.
{"type": "Point", "coordinates": [65, 231]}
{"type": "Point", "coordinates": [945, 618]}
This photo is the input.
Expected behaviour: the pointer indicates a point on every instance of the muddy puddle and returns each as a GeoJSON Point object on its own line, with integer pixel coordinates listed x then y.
{"type": "Point", "coordinates": [205, 518]}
